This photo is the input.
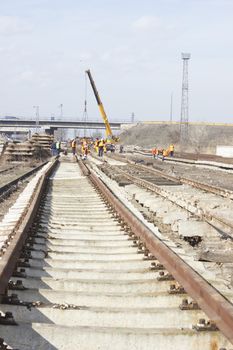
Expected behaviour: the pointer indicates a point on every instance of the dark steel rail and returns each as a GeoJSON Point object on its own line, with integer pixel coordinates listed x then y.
{"type": "Point", "coordinates": [10, 257]}
{"type": "Point", "coordinates": [222, 164]}
{"type": "Point", "coordinates": [7, 169]}
{"type": "Point", "coordinates": [218, 222]}
{"type": "Point", "coordinates": [223, 192]}
{"type": "Point", "coordinates": [9, 187]}
{"type": "Point", "coordinates": [214, 304]}
{"type": "Point", "coordinates": [197, 184]}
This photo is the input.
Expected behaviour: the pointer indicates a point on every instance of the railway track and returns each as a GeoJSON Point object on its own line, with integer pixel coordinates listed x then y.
{"type": "Point", "coordinates": [7, 169]}
{"type": "Point", "coordinates": [156, 181]}
{"type": "Point", "coordinates": [11, 186]}
{"type": "Point", "coordinates": [209, 161]}
{"type": "Point", "coordinates": [219, 190]}
{"type": "Point", "coordinates": [90, 274]}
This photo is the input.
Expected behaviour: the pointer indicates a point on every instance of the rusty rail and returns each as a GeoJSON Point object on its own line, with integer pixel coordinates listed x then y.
{"type": "Point", "coordinates": [213, 162]}
{"type": "Point", "coordinates": [192, 208]}
{"type": "Point", "coordinates": [197, 184]}
{"type": "Point", "coordinates": [10, 257]}
{"type": "Point", "coordinates": [209, 188]}
{"type": "Point", "coordinates": [6, 189]}
{"type": "Point", "coordinates": [215, 305]}
{"type": "Point", "coordinates": [220, 191]}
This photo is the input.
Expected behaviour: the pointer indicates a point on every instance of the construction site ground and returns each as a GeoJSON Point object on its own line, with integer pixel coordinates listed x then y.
{"type": "Point", "coordinates": [206, 175]}
{"type": "Point", "coordinates": [178, 226]}
{"type": "Point", "coordinates": [202, 138]}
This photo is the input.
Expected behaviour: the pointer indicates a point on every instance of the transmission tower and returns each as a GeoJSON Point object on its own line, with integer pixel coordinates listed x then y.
{"type": "Point", "coordinates": [184, 117]}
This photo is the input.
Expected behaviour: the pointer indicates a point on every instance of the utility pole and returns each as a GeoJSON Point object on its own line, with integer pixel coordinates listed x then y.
{"type": "Point", "coordinates": [184, 117]}
{"type": "Point", "coordinates": [85, 114]}
{"type": "Point", "coordinates": [61, 108]}
{"type": "Point", "coordinates": [62, 131]}
{"type": "Point", "coordinates": [132, 117]}
{"type": "Point", "coordinates": [37, 111]}
{"type": "Point", "coordinates": [85, 117]}
{"type": "Point", "coordinates": [171, 107]}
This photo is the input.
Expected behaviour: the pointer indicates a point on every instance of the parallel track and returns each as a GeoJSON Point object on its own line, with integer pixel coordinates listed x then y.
{"type": "Point", "coordinates": [211, 161]}
{"type": "Point", "coordinates": [151, 179]}
{"type": "Point", "coordinates": [91, 279]}
{"type": "Point", "coordinates": [221, 191]}
{"type": "Point", "coordinates": [11, 186]}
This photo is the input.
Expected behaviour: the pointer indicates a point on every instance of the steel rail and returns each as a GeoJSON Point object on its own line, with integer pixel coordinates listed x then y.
{"type": "Point", "coordinates": [220, 191]}
{"type": "Point", "coordinates": [7, 169]}
{"type": "Point", "coordinates": [197, 184]}
{"type": "Point", "coordinates": [209, 163]}
{"type": "Point", "coordinates": [183, 180]}
{"type": "Point", "coordinates": [155, 171]}
{"type": "Point", "coordinates": [190, 207]}
{"type": "Point", "coordinates": [7, 188]}
{"type": "Point", "coordinates": [214, 304]}
{"type": "Point", "coordinates": [10, 257]}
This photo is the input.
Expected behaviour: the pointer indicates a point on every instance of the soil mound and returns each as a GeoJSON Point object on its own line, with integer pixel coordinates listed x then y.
{"type": "Point", "coordinates": [202, 138]}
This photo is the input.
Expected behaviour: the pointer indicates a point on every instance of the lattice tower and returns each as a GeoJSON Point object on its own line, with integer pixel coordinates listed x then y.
{"type": "Point", "coordinates": [184, 117]}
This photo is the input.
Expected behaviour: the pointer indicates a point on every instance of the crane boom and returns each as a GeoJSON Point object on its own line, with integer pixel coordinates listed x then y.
{"type": "Point", "coordinates": [100, 104]}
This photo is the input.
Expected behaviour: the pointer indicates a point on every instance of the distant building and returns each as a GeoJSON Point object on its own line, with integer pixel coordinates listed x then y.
{"type": "Point", "coordinates": [9, 117]}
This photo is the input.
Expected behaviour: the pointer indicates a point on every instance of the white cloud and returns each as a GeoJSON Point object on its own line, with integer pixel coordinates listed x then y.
{"type": "Point", "coordinates": [12, 25]}
{"type": "Point", "coordinates": [42, 79]}
{"type": "Point", "coordinates": [27, 76]}
{"type": "Point", "coordinates": [85, 56]}
{"type": "Point", "coordinates": [147, 23]}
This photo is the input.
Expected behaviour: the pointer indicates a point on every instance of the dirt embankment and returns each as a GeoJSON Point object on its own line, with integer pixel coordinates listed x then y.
{"type": "Point", "coordinates": [201, 138]}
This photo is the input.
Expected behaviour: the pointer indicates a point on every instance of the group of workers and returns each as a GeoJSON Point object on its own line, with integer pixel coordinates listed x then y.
{"type": "Point", "coordinates": [99, 146]}
{"type": "Point", "coordinates": [84, 148]}
{"type": "Point", "coordinates": [163, 152]}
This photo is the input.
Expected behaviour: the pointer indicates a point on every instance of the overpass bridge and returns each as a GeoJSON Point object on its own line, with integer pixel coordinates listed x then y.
{"type": "Point", "coordinates": [20, 125]}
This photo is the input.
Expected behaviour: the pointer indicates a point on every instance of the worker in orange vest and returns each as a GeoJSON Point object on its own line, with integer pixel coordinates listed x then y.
{"type": "Point", "coordinates": [101, 148]}
{"type": "Point", "coordinates": [171, 150]}
{"type": "Point", "coordinates": [153, 151]}
{"type": "Point", "coordinates": [96, 145]}
{"type": "Point", "coordinates": [73, 147]}
{"type": "Point", "coordinates": [164, 154]}
{"type": "Point", "coordinates": [84, 149]}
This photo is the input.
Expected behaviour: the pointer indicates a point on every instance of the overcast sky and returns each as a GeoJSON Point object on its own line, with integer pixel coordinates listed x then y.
{"type": "Point", "coordinates": [133, 49]}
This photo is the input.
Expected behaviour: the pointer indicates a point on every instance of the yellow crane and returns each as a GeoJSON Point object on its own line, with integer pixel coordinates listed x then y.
{"type": "Point", "coordinates": [101, 108]}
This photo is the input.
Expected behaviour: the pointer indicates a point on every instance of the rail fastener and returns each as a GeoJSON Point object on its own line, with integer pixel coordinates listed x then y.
{"type": "Point", "coordinates": [216, 306]}
{"type": "Point", "coordinates": [7, 319]}
{"type": "Point", "coordinates": [189, 305]}
{"type": "Point", "coordinates": [13, 252]}
{"type": "Point", "coordinates": [204, 325]}
{"type": "Point", "coordinates": [156, 266]}
{"type": "Point", "coordinates": [18, 285]}
{"type": "Point", "coordinates": [176, 289]}
{"type": "Point", "coordinates": [165, 276]}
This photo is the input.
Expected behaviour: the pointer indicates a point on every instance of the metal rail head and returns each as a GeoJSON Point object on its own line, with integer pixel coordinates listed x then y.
{"type": "Point", "coordinates": [12, 253]}
{"type": "Point", "coordinates": [215, 305]}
